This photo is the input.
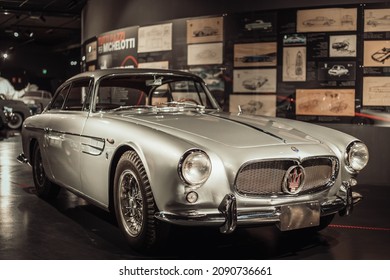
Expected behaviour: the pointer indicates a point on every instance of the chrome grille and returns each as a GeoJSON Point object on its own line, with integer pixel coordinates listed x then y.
{"type": "Point", "coordinates": [266, 177]}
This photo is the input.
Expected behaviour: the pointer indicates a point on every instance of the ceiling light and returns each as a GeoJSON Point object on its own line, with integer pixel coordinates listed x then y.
{"type": "Point", "coordinates": [16, 34]}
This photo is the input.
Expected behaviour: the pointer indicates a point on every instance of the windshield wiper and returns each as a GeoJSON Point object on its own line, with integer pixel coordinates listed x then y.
{"type": "Point", "coordinates": [184, 105]}
{"type": "Point", "coordinates": [133, 107]}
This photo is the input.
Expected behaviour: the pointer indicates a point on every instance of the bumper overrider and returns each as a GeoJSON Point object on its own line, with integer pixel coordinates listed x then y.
{"type": "Point", "coordinates": [287, 217]}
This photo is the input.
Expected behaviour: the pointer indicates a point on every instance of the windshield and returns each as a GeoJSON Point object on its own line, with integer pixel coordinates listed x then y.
{"type": "Point", "coordinates": [153, 92]}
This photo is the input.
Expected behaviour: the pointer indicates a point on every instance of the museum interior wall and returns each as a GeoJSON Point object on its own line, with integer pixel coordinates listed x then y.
{"type": "Point", "coordinates": [324, 62]}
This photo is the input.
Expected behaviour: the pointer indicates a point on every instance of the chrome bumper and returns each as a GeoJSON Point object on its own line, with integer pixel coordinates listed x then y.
{"type": "Point", "coordinates": [229, 217]}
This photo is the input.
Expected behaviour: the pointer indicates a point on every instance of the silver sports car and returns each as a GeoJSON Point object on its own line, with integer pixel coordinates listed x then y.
{"type": "Point", "coordinates": [154, 147]}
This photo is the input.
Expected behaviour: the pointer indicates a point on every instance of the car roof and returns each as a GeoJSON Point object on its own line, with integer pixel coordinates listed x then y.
{"type": "Point", "coordinates": [97, 74]}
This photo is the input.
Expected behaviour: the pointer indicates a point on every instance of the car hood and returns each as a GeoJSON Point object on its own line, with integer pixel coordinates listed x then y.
{"type": "Point", "coordinates": [227, 129]}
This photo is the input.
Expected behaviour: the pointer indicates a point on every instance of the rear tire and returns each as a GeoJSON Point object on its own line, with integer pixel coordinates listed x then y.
{"type": "Point", "coordinates": [135, 206]}
{"type": "Point", "coordinates": [43, 186]}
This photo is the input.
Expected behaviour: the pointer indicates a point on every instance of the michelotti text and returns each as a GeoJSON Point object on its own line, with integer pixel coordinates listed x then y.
{"type": "Point", "coordinates": [115, 42]}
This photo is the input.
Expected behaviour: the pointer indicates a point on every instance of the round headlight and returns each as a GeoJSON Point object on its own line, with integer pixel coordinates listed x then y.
{"type": "Point", "coordinates": [195, 167]}
{"type": "Point", "coordinates": [357, 156]}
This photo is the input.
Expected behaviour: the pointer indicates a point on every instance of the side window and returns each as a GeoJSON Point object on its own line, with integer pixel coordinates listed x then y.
{"type": "Point", "coordinates": [77, 95]}
{"type": "Point", "coordinates": [114, 93]}
{"type": "Point", "coordinates": [60, 98]}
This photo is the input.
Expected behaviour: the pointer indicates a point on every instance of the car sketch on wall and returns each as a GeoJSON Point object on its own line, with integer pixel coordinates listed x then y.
{"type": "Point", "coordinates": [342, 45]}
{"type": "Point", "coordinates": [254, 83]}
{"type": "Point", "coordinates": [205, 31]}
{"type": "Point", "coordinates": [168, 157]}
{"type": "Point", "coordinates": [269, 57]}
{"type": "Point", "coordinates": [319, 21]}
{"type": "Point", "coordinates": [385, 20]}
{"type": "Point", "coordinates": [338, 70]}
{"type": "Point", "coordinates": [381, 55]}
{"type": "Point", "coordinates": [327, 20]}
{"type": "Point", "coordinates": [339, 46]}
{"type": "Point", "coordinates": [381, 88]}
{"type": "Point", "coordinates": [258, 25]}
{"type": "Point", "coordinates": [294, 39]}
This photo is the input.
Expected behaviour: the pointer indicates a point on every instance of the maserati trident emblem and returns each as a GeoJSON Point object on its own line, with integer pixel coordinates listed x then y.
{"type": "Point", "coordinates": [294, 179]}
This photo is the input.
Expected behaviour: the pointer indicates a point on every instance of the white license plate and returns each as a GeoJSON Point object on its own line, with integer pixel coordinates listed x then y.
{"type": "Point", "coordinates": [302, 215]}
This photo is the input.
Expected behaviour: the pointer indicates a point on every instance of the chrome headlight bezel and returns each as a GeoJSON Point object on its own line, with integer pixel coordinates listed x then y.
{"type": "Point", "coordinates": [356, 157]}
{"type": "Point", "coordinates": [194, 167]}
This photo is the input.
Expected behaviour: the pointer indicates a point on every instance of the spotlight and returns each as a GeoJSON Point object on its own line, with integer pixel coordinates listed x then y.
{"type": "Point", "coordinates": [16, 34]}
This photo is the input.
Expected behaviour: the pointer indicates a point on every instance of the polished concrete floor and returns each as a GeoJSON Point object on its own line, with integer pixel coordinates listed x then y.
{"type": "Point", "coordinates": [70, 228]}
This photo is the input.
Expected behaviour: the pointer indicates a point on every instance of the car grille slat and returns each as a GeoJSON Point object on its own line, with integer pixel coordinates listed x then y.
{"type": "Point", "coordinates": [266, 177]}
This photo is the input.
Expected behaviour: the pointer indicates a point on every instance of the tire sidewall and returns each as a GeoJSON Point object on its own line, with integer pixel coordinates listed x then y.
{"type": "Point", "coordinates": [18, 123]}
{"type": "Point", "coordinates": [140, 241]}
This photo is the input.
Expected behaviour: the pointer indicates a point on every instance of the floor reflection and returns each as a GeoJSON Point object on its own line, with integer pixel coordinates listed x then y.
{"type": "Point", "coordinates": [71, 228]}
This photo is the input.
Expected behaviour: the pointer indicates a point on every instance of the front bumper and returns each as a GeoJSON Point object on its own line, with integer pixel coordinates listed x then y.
{"type": "Point", "coordinates": [228, 217]}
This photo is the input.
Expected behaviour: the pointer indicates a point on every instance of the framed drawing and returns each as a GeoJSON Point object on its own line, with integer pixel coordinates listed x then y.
{"type": "Point", "coordinates": [294, 64]}
{"type": "Point", "coordinates": [254, 80]}
{"type": "Point", "coordinates": [205, 54]}
{"type": "Point", "coordinates": [255, 54]}
{"type": "Point", "coordinates": [253, 104]}
{"type": "Point", "coordinates": [376, 91]}
{"type": "Point", "coordinates": [342, 46]}
{"type": "Point", "coordinates": [337, 70]}
{"type": "Point", "coordinates": [326, 20]}
{"type": "Point", "coordinates": [205, 30]}
{"type": "Point", "coordinates": [376, 53]}
{"type": "Point", "coordinates": [325, 102]}
{"type": "Point", "coordinates": [376, 20]}
{"type": "Point", "coordinates": [154, 65]}
{"type": "Point", "coordinates": [155, 38]}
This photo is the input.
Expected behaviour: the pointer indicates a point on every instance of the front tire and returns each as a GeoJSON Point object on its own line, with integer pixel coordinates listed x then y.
{"type": "Point", "coordinates": [135, 206]}
{"type": "Point", "coordinates": [43, 186]}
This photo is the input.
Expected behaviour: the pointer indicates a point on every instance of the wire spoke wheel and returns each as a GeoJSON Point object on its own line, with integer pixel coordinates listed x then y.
{"type": "Point", "coordinates": [131, 203]}
{"type": "Point", "coordinates": [135, 206]}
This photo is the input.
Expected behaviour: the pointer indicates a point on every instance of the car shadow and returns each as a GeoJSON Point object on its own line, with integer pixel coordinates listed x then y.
{"type": "Point", "coordinates": [199, 243]}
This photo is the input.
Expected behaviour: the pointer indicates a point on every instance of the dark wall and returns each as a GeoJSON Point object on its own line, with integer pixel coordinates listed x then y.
{"type": "Point", "coordinates": [377, 140]}
{"type": "Point", "coordinates": [100, 16]}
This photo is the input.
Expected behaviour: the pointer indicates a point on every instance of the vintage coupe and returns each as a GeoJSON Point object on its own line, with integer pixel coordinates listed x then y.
{"type": "Point", "coordinates": [133, 142]}
{"type": "Point", "coordinates": [338, 70]}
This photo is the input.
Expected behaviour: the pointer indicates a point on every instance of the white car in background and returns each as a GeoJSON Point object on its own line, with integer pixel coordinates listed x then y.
{"type": "Point", "coordinates": [37, 99]}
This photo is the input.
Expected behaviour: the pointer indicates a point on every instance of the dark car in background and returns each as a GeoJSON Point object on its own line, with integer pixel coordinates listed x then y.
{"type": "Point", "coordinates": [20, 111]}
